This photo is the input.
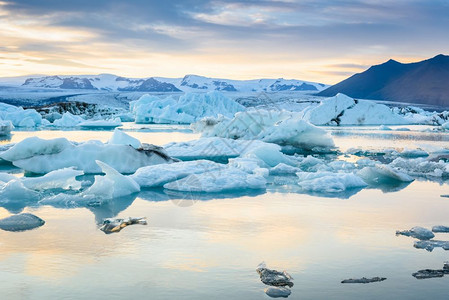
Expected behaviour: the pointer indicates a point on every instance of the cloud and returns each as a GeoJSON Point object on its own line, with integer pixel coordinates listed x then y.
{"type": "Point", "coordinates": [338, 34]}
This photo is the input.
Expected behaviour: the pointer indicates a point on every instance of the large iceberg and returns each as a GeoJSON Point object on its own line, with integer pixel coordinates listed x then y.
{"type": "Point", "coordinates": [42, 156]}
{"type": "Point", "coordinates": [20, 117]}
{"type": "Point", "coordinates": [343, 110]}
{"type": "Point", "coordinates": [278, 127]}
{"type": "Point", "coordinates": [187, 109]}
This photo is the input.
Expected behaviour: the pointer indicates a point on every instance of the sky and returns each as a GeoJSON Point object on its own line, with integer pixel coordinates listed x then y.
{"type": "Point", "coordinates": [316, 40]}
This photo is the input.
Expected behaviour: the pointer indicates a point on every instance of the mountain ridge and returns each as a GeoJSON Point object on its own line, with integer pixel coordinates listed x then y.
{"type": "Point", "coordinates": [423, 82]}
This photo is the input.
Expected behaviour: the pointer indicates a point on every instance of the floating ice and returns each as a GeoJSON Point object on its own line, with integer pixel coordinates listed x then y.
{"type": "Point", "coordinates": [277, 292]}
{"type": "Point", "coordinates": [283, 169]}
{"type": "Point", "coordinates": [383, 174]}
{"type": "Point", "coordinates": [68, 120]}
{"type": "Point", "coordinates": [101, 123]}
{"type": "Point", "coordinates": [413, 153]}
{"type": "Point", "coordinates": [158, 175]}
{"type": "Point", "coordinates": [112, 184]}
{"type": "Point", "coordinates": [210, 148]}
{"type": "Point", "coordinates": [5, 177]}
{"type": "Point", "coordinates": [5, 127]}
{"type": "Point", "coordinates": [429, 273]}
{"type": "Point", "coordinates": [229, 179]}
{"type": "Point", "coordinates": [115, 225]}
{"type": "Point", "coordinates": [188, 109]}
{"type": "Point", "coordinates": [20, 117]}
{"type": "Point", "coordinates": [21, 222]}
{"type": "Point", "coordinates": [15, 191]}
{"type": "Point", "coordinates": [282, 128]}
{"type": "Point", "coordinates": [418, 233]}
{"type": "Point", "coordinates": [440, 228]}
{"type": "Point", "coordinates": [329, 182]}
{"type": "Point", "coordinates": [343, 110]}
{"type": "Point", "coordinates": [421, 167]}
{"type": "Point", "coordinates": [43, 156]}
{"type": "Point", "coordinates": [59, 179]}
{"type": "Point", "coordinates": [385, 128]}
{"type": "Point", "coordinates": [430, 245]}
{"type": "Point", "coordinates": [273, 277]}
{"type": "Point", "coordinates": [121, 138]}
{"type": "Point", "coordinates": [364, 280]}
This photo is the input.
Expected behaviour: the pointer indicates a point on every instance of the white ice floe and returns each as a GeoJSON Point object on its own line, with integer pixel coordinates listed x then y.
{"type": "Point", "coordinates": [421, 167]}
{"type": "Point", "coordinates": [229, 179]}
{"type": "Point", "coordinates": [383, 174]}
{"type": "Point", "coordinates": [283, 169]}
{"type": "Point", "coordinates": [112, 184]}
{"type": "Point", "coordinates": [278, 127]}
{"type": "Point", "coordinates": [121, 138]}
{"type": "Point", "coordinates": [210, 148]}
{"type": "Point", "coordinates": [68, 120]}
{"type": "Point", "coordinates": [417, 232]}
{"type": "Point", "coordinates": [413, 153]}
{"type": "Point", "coordinates": [187, 109]}
{"type": "Point", "coordinates": [5, 127]}
{"type": "Point", "coordinates": [329, 182]}
{"type": "Point", "coordinates": [20, 117]}
{"type": "Point", "coordinates": [59, 179]}
{"type": "Point", "coordinates": [344, 110]}
{"type": "Point", "coordinates": [42, 156]}
{"type": "Point", "coordinates": [158, 175]}
{"type": "Point", "coordinates": [101, 123]}
{"type": "Point", "coordinates": [384, 128]}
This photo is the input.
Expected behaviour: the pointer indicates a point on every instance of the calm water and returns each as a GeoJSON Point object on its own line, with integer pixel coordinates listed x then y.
{"type": "Point", "coordinates": [209, 248]}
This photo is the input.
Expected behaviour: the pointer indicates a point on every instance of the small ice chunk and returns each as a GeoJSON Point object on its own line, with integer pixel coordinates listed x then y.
{"type": "Point", "coordinates": [364, 280]}
{"type": "Point", "coordinates": [158, 175]}
{"type": "Point", "coordinates": [417, 232]}
{"type": "Point", "coordinates": [68, 120]}
{"type": "Point", "coordinates": [329, 182]}
{"type": "Point", "coordinates": [115, 225]}
{"type": "Point", "coordinates": [273, 277]}
{"type": "Point", "coordinates": [383, 174]}
{"type": "Point", "coordinates": [440, 228]}
{"type": "Point", "coordinates": [121, 138]}
{"type": "Point", "coordinates": [5, 127]}
{"type": "Point", "coordinates": [277, 292]}
{"type": "Point", "coordinates": [445, 126]}
{"type": "Point", "coordinates": [283, 169]}
{"type": "Point", "coordinates": [14, 190]}
{"type": "Point", "coordinates": [112, 184]}
{"type": "Point", "coordinates": [33, 146]}
{"type": "Point", "coordinates": [430, 245]}
{"type": "Point", "coordinates": [21, 222]}
{"type": "Point", "coordinates": [383, 127]}
{"type": "Point", "coordinates": [59, 179]}
{"type": "Point", "coordinates": [413, 153]}
{"type": "Point", "coordinates": [229, 179]}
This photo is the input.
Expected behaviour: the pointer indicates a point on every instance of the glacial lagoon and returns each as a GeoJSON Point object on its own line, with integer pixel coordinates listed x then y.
{"type": "Point", "coordinates": [203, 246]}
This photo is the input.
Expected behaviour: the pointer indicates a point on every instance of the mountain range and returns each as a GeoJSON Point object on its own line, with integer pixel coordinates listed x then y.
{"type": "Point", "coordinates": [424, 82]}
{"type": "Point", "coordinates": [189, 83]}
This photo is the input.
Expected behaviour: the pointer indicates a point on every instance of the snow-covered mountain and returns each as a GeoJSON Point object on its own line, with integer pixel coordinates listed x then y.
{"type": "Point", "coordinates": [190, 83]}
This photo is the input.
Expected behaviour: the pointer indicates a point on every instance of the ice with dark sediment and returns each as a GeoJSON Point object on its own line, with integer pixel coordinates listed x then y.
{"type": "Point", "coordinates": [364, 280]}
{"type": "Point", "coordinates": [111, 225]}
{"type": "Point", "coordinates": [273, 277]}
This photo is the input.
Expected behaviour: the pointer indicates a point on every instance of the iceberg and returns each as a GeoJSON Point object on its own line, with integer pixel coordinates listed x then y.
{"type": "Point", "coordinates": [344, 110]}
{"type": "Point", "coordinates": [228, 179]}
{"type": "Point", "coordinates": [5, 127]}
{"type": "Point", "coordinates": [329, 182]}
{"type": "Point", "coordinates": [383, 174]}
{"type": "Point", "coordinates": [42, 156]}
{"type": "Point", "coordinates": [59, 179]}
{"type": "Point", "coordinates": [121, 138]}
{"type": "Point", "coordinates": [421, 167]}
{"type": "Point", "coordinates": [68, 120]}
{"type": "Point", "coordinates": [112, 184]}
{"type": "Point", "coordinates": [15, 191]}
{"type": "Point", "coordinates": [277, 292]}
{"type": "Point", "coordinates": [429, 245]}
{"type": "Point", "coordinates": [20, 117]}
{"type": "Point", "coordinates": [278, 127]}
{"type": "Point", "coordinates": [116, 225]}
{"type": "Point", "coordinates": [189, 108]}
{"type": "Point", "coordinates": [158, 175]}
{"type": "Point", "coordinates": [440, 228]}
{"type": "Point", "coordinates": [364, 280]}
{"type": "Point", "coordinates": [273, 277]}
